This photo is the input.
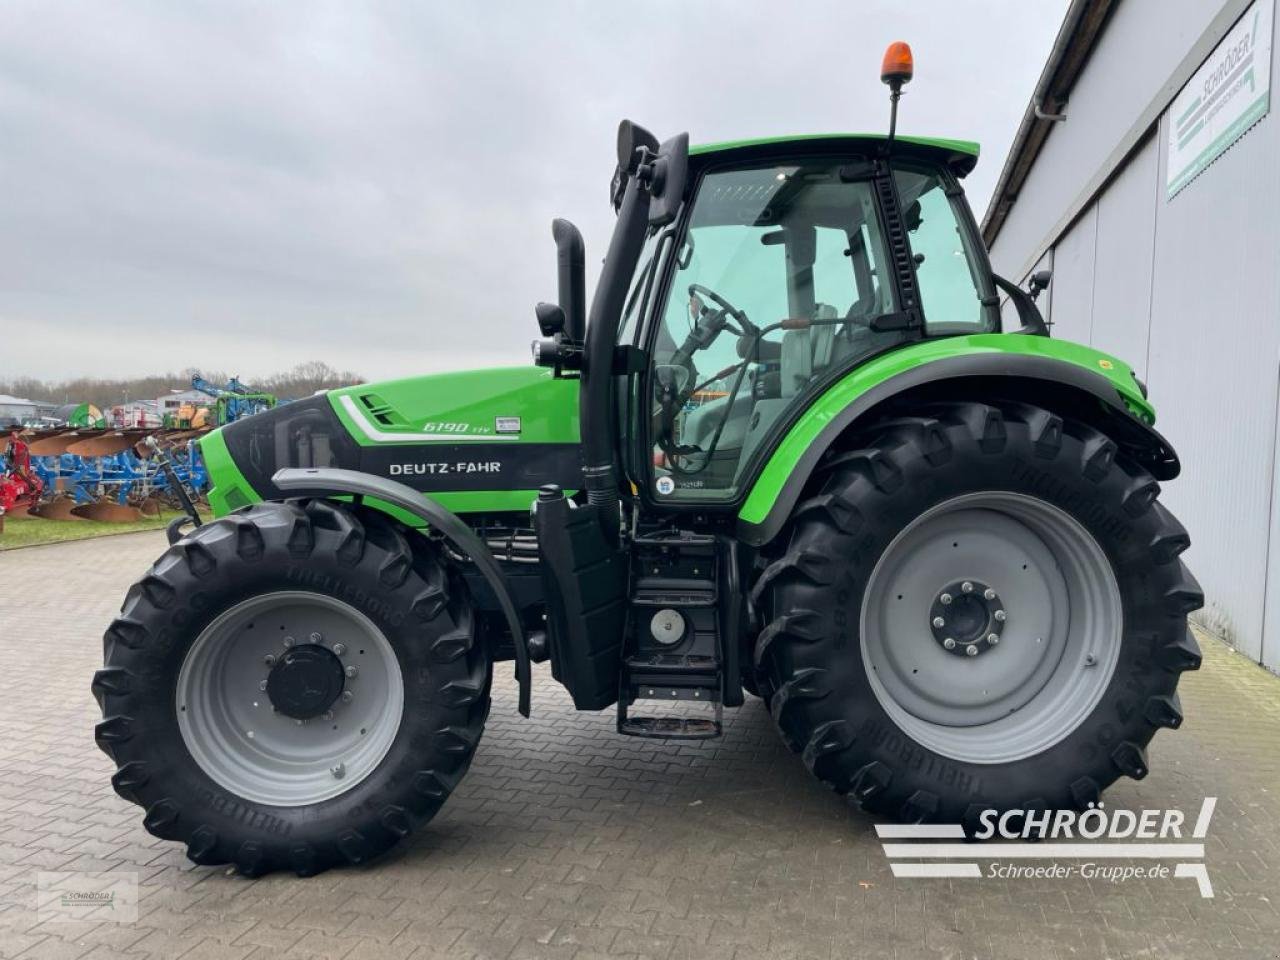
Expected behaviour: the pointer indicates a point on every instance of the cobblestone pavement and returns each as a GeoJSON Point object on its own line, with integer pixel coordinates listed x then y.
{"type": "Point", "coordinates": [568, 841]}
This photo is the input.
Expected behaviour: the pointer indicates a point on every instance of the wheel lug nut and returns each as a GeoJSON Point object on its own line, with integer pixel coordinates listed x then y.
{"type": "Point", "coordinates": [944, 599]}
{"type": "Point", "coordinates": [966, 587]}
{"type": "Point", "coordinates": [993, 638]}
{"type": "Point", "coordinates": [352, 670]}
{"type": "Point", "coordinates": [346, 696]}
{"type": "Point", "coordinates": [989, 594]}
{"type": "Point", "coordinates": [289, 641]}
{"type": "Point", "coordinates": [1000, 615]}
{"type": "Point", "coordinates": [315, 638]}
{"type": "Point", "coordinates": [949, 643]}
{"type": "Point", "coordinates": [269, 659]}
{"type": "Point", "coordinates": [339, 648]}
{"type": "Point", "coordinates": [971, 650]}
{"type": "Point", "coordinates": [262, 684]}
{"type": "Point", "coordinates": [939, 622]}
{"type": "Point", "coordinates": [339, 771]}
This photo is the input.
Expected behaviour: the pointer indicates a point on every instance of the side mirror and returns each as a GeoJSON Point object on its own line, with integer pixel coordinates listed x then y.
{"type": "Point", "coordinates": [631, 137]}
{"type": "Point", "coordinates": [670, 175]}
{"type": "Point", "coordinates": [1039, 282]}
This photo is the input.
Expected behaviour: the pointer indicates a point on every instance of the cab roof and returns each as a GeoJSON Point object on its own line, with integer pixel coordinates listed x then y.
{"type": "Point", "coordinates": [961, 156]}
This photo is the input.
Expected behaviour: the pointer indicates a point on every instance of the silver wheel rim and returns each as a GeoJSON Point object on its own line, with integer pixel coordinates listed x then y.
{"type": "Point", "coordinates": [1036, 673]}
{"type": "Point", "coordinates": [226, 715]}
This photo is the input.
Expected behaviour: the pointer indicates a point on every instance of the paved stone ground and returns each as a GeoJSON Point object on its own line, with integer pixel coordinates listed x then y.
{"type": "Point", "coordinates": [567, 841]}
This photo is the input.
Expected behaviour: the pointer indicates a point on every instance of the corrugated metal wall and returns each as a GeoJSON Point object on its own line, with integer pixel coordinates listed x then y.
{"type": "Point", "coordinates": [1187, 290]}
{"type": "Point", "coordinates": [1142, 44]}
{"type": "Point", "coordinates": [1123, 259]}
{"type": "Point", "coordinates": [1215, 355]}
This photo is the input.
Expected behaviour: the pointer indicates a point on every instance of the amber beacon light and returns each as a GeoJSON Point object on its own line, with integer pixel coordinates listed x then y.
{"type": "Point", "coordinates": [897, 66]}
{"type": "Point", "coordinates": [895, 70]}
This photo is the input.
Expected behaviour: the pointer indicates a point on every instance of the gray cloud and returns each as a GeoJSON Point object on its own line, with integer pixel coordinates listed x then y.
{"type": "Point", "coordinates": [249, 185]}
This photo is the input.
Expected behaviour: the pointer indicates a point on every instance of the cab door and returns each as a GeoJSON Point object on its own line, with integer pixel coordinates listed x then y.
{"type": "Point", "coordinates": [776, 287]}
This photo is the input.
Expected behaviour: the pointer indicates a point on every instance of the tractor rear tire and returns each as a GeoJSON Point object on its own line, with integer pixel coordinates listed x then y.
{"type": "Point", "coordinates": [976, 606]}
{"type": "Point", "coordinates": [293, 687]}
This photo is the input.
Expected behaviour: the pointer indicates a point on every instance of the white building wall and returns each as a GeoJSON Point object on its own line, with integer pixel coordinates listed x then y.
{"type": "Point", "coordinates": [1186, 289]}
{"type": "Point", "coordinates": [1140, 50]}
{"type": "Point", "coordinates": [1124, 259]}
{"type": "Point", "coordinates": [1071, 292]}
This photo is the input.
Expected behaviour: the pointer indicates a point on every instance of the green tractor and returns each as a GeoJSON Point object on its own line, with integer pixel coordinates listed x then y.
{"type": "Point", "coordinates": [790, 451]}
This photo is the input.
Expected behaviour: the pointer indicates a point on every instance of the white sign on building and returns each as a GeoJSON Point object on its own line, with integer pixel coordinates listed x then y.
{"type": "Point", "coordinates": [1228, 94]}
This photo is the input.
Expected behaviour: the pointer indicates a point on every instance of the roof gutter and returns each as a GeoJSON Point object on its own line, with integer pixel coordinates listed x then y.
{"type": "Point", "coordinates": [1080, 30]}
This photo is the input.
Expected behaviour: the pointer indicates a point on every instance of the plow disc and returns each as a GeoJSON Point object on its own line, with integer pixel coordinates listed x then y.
{"type": "Point", "coordinates": [106, 511]}
{"type": "Point", "coordinates": [106, 444]}
{"type": "Point", "coordinates": [57, 509]}
{"type": "Point", "coordinates": [55, 444]}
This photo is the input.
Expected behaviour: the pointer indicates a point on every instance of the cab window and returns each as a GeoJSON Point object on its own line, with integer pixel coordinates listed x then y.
{"type": "Point", "coordinates": [948, 265]}
{"type": "Point", "coordinates": [778, 282]}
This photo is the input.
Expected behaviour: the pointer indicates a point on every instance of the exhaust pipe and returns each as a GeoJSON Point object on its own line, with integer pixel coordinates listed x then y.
{"type": "Point", "coordinates": [571, 261]}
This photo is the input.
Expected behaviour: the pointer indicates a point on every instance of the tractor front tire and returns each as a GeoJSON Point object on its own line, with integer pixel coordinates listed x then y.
{"type": "Point", "coordinates": [293, 687]}
{"type": "Point", "coordinates": [976, 606]}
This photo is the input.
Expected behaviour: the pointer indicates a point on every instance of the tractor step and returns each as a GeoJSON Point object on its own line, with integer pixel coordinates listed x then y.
{"type": "Point", "coordinates": [673, 728]}
{"type": "Point", "coordinates": [674, 639]}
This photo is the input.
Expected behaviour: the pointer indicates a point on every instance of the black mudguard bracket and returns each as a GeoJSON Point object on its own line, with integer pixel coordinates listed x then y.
{"type": "Point", "coordinates": [325, 482]}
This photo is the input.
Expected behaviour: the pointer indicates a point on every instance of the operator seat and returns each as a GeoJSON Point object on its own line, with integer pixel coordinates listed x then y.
{"type": "Point", "coordinates": [806, 353]}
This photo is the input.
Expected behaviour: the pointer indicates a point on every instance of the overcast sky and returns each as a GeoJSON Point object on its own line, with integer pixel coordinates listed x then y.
{"type": "Point", "coordinates": [244, 186]}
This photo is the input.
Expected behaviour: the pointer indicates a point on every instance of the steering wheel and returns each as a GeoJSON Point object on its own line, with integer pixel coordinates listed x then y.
{"type": "Point", "coordinates": [697, 291]}
{"type": "Point", "coordinates": [708, 324]}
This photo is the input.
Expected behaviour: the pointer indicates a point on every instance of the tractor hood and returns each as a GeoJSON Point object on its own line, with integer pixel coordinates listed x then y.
{"type": "Point", "coordinates": [475, 440]}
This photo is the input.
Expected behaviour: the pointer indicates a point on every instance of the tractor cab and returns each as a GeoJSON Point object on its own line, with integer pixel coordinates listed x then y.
{"type": "Point", "coordinates": [793, 262]}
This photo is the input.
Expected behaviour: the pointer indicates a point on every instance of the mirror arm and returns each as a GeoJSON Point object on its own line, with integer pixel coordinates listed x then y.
{"type": "Point", "coordinates": [1028, 313]}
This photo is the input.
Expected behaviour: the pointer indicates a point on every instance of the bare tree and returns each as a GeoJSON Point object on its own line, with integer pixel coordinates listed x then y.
{"type": "Point", "coordinates": [301, 381]}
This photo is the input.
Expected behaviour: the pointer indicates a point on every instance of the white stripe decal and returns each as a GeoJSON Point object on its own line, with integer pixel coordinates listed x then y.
{"type": "Point", "coordinates": [373, 433]}
{"type": "Point", "coordinates": [1042, 851]}
{"type": "Point", "coordinates": [920, 831]}
{"type": "Point", "coordinates": [1198, 871]}
{"type": "Point", "coordinates": [935, 870]}
{"type": "Point", "coordinates": [1206, 814]}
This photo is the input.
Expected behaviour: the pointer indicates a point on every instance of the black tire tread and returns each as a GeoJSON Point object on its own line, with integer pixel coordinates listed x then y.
{"type": "Point", "coordinates": [826, 528]}
{"type": "Point", "coordinates": [401, 561]}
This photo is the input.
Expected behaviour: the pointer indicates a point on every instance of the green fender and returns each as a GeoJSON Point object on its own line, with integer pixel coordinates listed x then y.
{"type": "Point", "coordinates": [1045, 370]}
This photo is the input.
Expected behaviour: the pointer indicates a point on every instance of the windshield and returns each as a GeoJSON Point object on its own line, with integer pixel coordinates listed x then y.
{"type": "Point", "coordinates": [780, 279]}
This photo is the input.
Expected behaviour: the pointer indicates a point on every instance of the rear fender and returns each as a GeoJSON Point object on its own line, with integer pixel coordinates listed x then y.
{"type": "Point", "coordinates": [1068, 387]}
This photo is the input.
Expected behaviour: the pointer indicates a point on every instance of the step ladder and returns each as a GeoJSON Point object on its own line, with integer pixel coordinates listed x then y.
{"type": "Point", "coordinates": [673, 637]}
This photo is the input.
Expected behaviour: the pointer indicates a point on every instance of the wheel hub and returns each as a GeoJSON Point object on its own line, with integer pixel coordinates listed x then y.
{"type": "Point", "coordinates": [1054, 609]}
{"type": "Point", "coordinates": [967, 618]}
{"type": "Point", "coordinates": [306, 681]}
